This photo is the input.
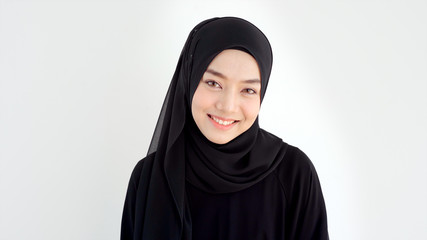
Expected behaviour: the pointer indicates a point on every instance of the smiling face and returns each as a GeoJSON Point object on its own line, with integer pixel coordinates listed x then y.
{"type": "Point", "coordinates": [227, 100]}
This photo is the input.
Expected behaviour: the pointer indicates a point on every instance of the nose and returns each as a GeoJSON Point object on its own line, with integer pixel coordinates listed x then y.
{"type": "Point", "coordinates": [228, 102]}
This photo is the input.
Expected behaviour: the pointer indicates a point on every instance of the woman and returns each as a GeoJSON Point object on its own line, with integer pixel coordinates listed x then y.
{"type": "Point", "coordinates": [211, 172]}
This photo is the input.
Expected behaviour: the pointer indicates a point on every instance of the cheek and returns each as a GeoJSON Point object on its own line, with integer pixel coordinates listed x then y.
{"type": "Point", "coordinates": [201, 101]}
{"type": "Point", "coordinates": [251, 110]}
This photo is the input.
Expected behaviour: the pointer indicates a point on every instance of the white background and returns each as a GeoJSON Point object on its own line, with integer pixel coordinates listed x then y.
{"type": "Point", "coordinates": [82, 83]}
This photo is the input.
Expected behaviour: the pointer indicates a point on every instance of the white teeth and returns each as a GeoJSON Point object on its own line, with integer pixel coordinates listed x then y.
{"type": "Point", "coordinates": [225, 123]}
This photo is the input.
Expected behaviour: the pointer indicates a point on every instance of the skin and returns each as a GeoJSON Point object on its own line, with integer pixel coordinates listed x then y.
{"type": "Point", "coordinates": [228, 91]}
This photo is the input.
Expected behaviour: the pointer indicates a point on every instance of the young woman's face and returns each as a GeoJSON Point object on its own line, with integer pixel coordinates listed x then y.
{"type": "Point", "coordinates": [227, 100]}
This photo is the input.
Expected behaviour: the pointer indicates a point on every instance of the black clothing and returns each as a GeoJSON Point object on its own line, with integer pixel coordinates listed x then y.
{"type": "Point", "coordinates": [231, 167]}
{"type": "Point", "coordinates": [286, 204]}
{"type": "Point", "coordinates": [158, 204]}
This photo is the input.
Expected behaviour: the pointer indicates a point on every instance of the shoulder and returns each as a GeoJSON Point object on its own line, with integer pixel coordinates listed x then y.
{"type": "Point", "coordinates": [303, 196]}
{"type": "Point", "coordinates": [138, 169]}
{"type": "Point", "coordinates": [293, 158]}
{"type": "Point", "coordinates": [296, 172]}
{"type": "Point", "coordinates": [296, 160]}
{"type": "Point", "coordinates": [140, 164]}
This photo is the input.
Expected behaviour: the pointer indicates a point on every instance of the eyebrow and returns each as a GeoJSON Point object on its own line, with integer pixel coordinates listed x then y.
{"type": "Point", "coordinates": [218, 74]}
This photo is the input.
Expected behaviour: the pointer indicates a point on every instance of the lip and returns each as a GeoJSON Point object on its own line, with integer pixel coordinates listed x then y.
{"type": "Point", "coordinates": [219, 126]}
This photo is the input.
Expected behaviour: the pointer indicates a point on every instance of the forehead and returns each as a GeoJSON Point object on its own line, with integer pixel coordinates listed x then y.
{"type": "Point", "coordinates": [237, 64]}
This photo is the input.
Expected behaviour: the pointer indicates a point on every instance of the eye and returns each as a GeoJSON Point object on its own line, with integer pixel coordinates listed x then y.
{"type": "Point", "coordinates": [249, 91]}
{"type": "Point", "coordinates": [213, 84]}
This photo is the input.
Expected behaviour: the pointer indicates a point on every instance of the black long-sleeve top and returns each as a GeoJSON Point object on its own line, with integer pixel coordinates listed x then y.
{"type": "Point", "coordinates": [287, 204]}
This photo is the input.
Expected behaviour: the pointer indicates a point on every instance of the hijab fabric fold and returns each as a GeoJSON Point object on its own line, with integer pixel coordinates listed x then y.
{"type": "Point", "coordinates": [233, 166]}
{"type": "Point", "coordinates": [182, 153]}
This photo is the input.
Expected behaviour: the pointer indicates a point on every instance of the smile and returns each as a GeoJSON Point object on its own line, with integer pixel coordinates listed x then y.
{"type": "Point", "coordinates": [222, 122]}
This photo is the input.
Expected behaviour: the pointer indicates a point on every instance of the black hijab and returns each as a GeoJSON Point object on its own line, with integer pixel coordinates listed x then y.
{"type": "Point", "coordinates": [183, 154]}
